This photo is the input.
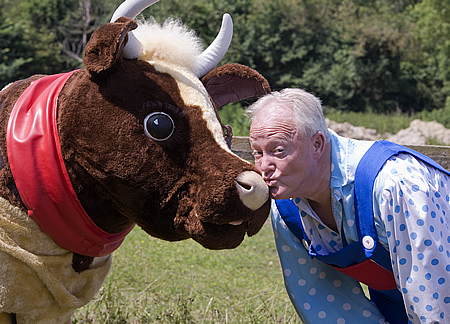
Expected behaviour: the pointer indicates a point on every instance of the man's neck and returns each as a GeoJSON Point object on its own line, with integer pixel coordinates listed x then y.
{"type": "Point", "coordinates": [321, 201]}
{"type": "Point", "coordinates": [325, 213]}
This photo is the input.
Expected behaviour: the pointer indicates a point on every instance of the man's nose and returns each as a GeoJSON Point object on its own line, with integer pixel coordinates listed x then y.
{"type": "Point", "coordinates": [265, 166]}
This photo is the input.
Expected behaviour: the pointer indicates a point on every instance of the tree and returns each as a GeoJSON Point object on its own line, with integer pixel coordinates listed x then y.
{"type": "Point", "coordinates": [80, 22]}
{"type": "Point", "coordinates": [281, 37]}
{"type": "Point", "coordinates": [360, 65]}
{"type": "Point", "coordinates": [358, 55]}
{"type": "Point", "coordinates": [36, 35]}
{"type": "Point", "coordinates": [432, 61]}
{"type": "Point", "coordinates": [23, 50]}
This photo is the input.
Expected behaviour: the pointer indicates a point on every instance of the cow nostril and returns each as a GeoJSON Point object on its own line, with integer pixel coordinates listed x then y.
{"type": "Point", "coordinates": [253, 190]}
{"type": "Point", "coordinates": [244, 185]}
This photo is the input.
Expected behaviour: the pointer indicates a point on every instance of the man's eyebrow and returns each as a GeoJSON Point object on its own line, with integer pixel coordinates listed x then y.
{"type": "Point", "coordinates": [282, 137]}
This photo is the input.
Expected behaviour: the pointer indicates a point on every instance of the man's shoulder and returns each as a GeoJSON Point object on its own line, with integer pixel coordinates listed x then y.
{"type": "Point", "coordinates": [400, 170]}
{"type": "Point", "coordinates": [346, 155]}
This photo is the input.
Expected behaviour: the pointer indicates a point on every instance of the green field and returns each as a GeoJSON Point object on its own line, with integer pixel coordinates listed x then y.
{"type": "Point", "coordinates": [153, 281]}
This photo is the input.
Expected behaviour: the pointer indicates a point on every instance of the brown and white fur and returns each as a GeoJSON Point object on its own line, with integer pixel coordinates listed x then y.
{"type": "Point", "coordinates": [188, 186]}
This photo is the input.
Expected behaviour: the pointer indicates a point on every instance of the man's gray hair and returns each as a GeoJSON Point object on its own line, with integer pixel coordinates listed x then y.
{"type": "Point", "coordinates": [306, 107]}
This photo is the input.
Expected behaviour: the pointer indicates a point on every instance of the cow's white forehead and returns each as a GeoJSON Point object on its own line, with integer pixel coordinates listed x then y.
{"type": "Point", "coordinates": [173, 48]}
{"type": "Point", "coordinates": [171, 42]}
{"type": "Point", "coordinates": [194, 93]}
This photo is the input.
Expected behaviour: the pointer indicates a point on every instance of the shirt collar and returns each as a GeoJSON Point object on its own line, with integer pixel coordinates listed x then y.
{"type": "Point", "coordinates": [345, 156]}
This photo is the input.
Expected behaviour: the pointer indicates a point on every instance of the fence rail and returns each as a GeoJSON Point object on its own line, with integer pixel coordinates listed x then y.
{"type": "Point", "coordinates": [441, 154]}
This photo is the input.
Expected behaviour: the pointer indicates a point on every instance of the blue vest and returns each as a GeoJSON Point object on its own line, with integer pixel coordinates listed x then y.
{"type": "Point", "coordinates": [366, 261]}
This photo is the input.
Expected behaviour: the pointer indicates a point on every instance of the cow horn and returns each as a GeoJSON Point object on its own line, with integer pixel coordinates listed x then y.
{"type": "Point", "coordinates": [130, 9]}
{"type": "Point", "coordinates": [210, 57]}
{"type": "Point", "coordinates": [207, 59]}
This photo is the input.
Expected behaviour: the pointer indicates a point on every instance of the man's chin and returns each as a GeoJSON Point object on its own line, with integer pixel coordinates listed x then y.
{"type": "Point", "coordinates": [277, 193]}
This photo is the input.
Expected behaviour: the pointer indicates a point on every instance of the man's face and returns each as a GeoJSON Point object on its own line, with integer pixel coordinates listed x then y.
{"type": "Point", "coordinates": [282, 153]}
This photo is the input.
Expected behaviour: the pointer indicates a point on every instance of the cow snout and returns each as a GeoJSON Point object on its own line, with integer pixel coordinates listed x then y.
{"type": "Point", "coordinates": [253, 191]}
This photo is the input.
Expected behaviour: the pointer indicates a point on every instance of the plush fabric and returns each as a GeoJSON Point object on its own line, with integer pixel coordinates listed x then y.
{"type": "Point", "coordinates": [183, 187]}
{"type": "Point", "coordinates": [38, 282]}
{"type": "Point", "coordinates": [231, 82]}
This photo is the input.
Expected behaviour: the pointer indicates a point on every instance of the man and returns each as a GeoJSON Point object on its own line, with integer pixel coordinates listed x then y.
{"type": "Point", "coordinates": [396, 238]}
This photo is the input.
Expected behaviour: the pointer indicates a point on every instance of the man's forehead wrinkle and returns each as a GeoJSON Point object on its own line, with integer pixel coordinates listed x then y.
{"type": "Point", "coordinates": [276, 130]}
{"type": "Point", "coordinates": [273, 138]}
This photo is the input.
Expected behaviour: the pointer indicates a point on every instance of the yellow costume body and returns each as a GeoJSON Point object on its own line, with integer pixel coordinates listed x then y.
{"type": "Point", "coordinates": [38, 281]}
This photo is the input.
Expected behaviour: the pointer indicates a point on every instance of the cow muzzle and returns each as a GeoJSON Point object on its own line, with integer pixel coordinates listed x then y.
{"type": "Point", "coordinates": [253, 191]}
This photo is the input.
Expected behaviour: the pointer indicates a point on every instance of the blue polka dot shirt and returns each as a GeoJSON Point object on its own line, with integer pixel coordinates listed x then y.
{"type": "Point", "coordinates": [411, 208]}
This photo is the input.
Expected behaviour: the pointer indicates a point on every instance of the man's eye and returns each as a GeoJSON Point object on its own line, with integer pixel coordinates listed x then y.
{"type": "Point", "coordinates": [257, 153]}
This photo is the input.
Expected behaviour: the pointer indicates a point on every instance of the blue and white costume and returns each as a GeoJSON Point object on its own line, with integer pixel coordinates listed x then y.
{"type": "Point", "coordinates": [411, 215]}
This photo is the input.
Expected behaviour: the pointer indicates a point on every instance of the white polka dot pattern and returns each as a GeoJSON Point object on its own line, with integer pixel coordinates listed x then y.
{"type": "Point", "coordinates": [414, 206]}
{"type": "Point", "coordinates": [319, 293]}
{"type": "Point", "coordinates": [411, 215]}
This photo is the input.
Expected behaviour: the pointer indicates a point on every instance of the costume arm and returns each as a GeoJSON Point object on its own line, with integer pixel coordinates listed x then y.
{"type": "Point", "coordinates": [319, 293]}
{"type": "Point", "coordinates": [415, 210]}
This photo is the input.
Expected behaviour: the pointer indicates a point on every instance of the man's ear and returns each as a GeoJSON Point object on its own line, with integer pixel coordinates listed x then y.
{"type": "Point", "coordinates": [318, 142]}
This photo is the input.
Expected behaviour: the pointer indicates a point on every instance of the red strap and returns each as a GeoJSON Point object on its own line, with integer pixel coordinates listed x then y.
{"type": "Point", "coordinates": [371, 274]}
{"type": "Point", "coordinates": [34, 155]}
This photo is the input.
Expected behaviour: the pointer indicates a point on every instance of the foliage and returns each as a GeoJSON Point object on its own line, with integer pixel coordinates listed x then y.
{"type": "Point", "coordinates": [391, 123]}
{"type": "Point", "coordinates": [362, 56]}
{"type": "Point", "coordinates": [364, 62]}
{"type": "Point", "coordinates": [154, 281]}
{"type": "Point", "coordinates": [382, 123]}
{"type": "Point", "coordinates": [44, 37]}
{"type": "Point", "coordinates": [24, 51]}
{"type": "Point", "coordinates": [328, 48]}
{"type": "Point", "coordinates": [440, 115]}
{"type": "Point", "coordinates": [433, 35]}
{"type": "Point", "coordinates": [234, 115]}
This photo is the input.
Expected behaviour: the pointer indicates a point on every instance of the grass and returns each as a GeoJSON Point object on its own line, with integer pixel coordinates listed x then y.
{"type": "Point", "coordinates": [234, 115]}
{"type": "Point", "coordinates": [391, 123]}
{"type": "Point", "coordinates": [381, 123]}
{"type": "Point", "coordinates": [153, 281]}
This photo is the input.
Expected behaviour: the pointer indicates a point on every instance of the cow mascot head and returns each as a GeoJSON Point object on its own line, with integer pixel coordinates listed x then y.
{"type": "Point", "coordinates": [134, 138]}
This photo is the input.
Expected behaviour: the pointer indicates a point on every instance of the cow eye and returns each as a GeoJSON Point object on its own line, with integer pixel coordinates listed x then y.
{"type": "Point", "coordinates": [159, 126]}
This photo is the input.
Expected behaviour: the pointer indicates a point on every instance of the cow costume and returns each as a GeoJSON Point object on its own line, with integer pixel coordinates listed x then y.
{"type": "Point", "coordinates": [134, 138]}
{"type": "Point", "coordinates": [392, 207]}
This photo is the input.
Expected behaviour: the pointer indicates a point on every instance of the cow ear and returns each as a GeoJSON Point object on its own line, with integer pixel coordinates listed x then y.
{"type": "Point", "coordinates": [105, 46]}
{"type": "Point", "coordinates": [234, 82]}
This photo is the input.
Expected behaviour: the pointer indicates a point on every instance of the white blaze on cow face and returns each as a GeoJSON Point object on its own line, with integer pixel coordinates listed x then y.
{"type": "Point", "coordinates": [252, 189]}
{"type": "Point", "coordinates": [174, 49]}
{"type": "Point", "coordinates": [194, 93]}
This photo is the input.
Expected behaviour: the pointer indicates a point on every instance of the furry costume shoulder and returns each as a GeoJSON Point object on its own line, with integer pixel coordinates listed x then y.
{"type": "Point", "coordinates": [39, 283]}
